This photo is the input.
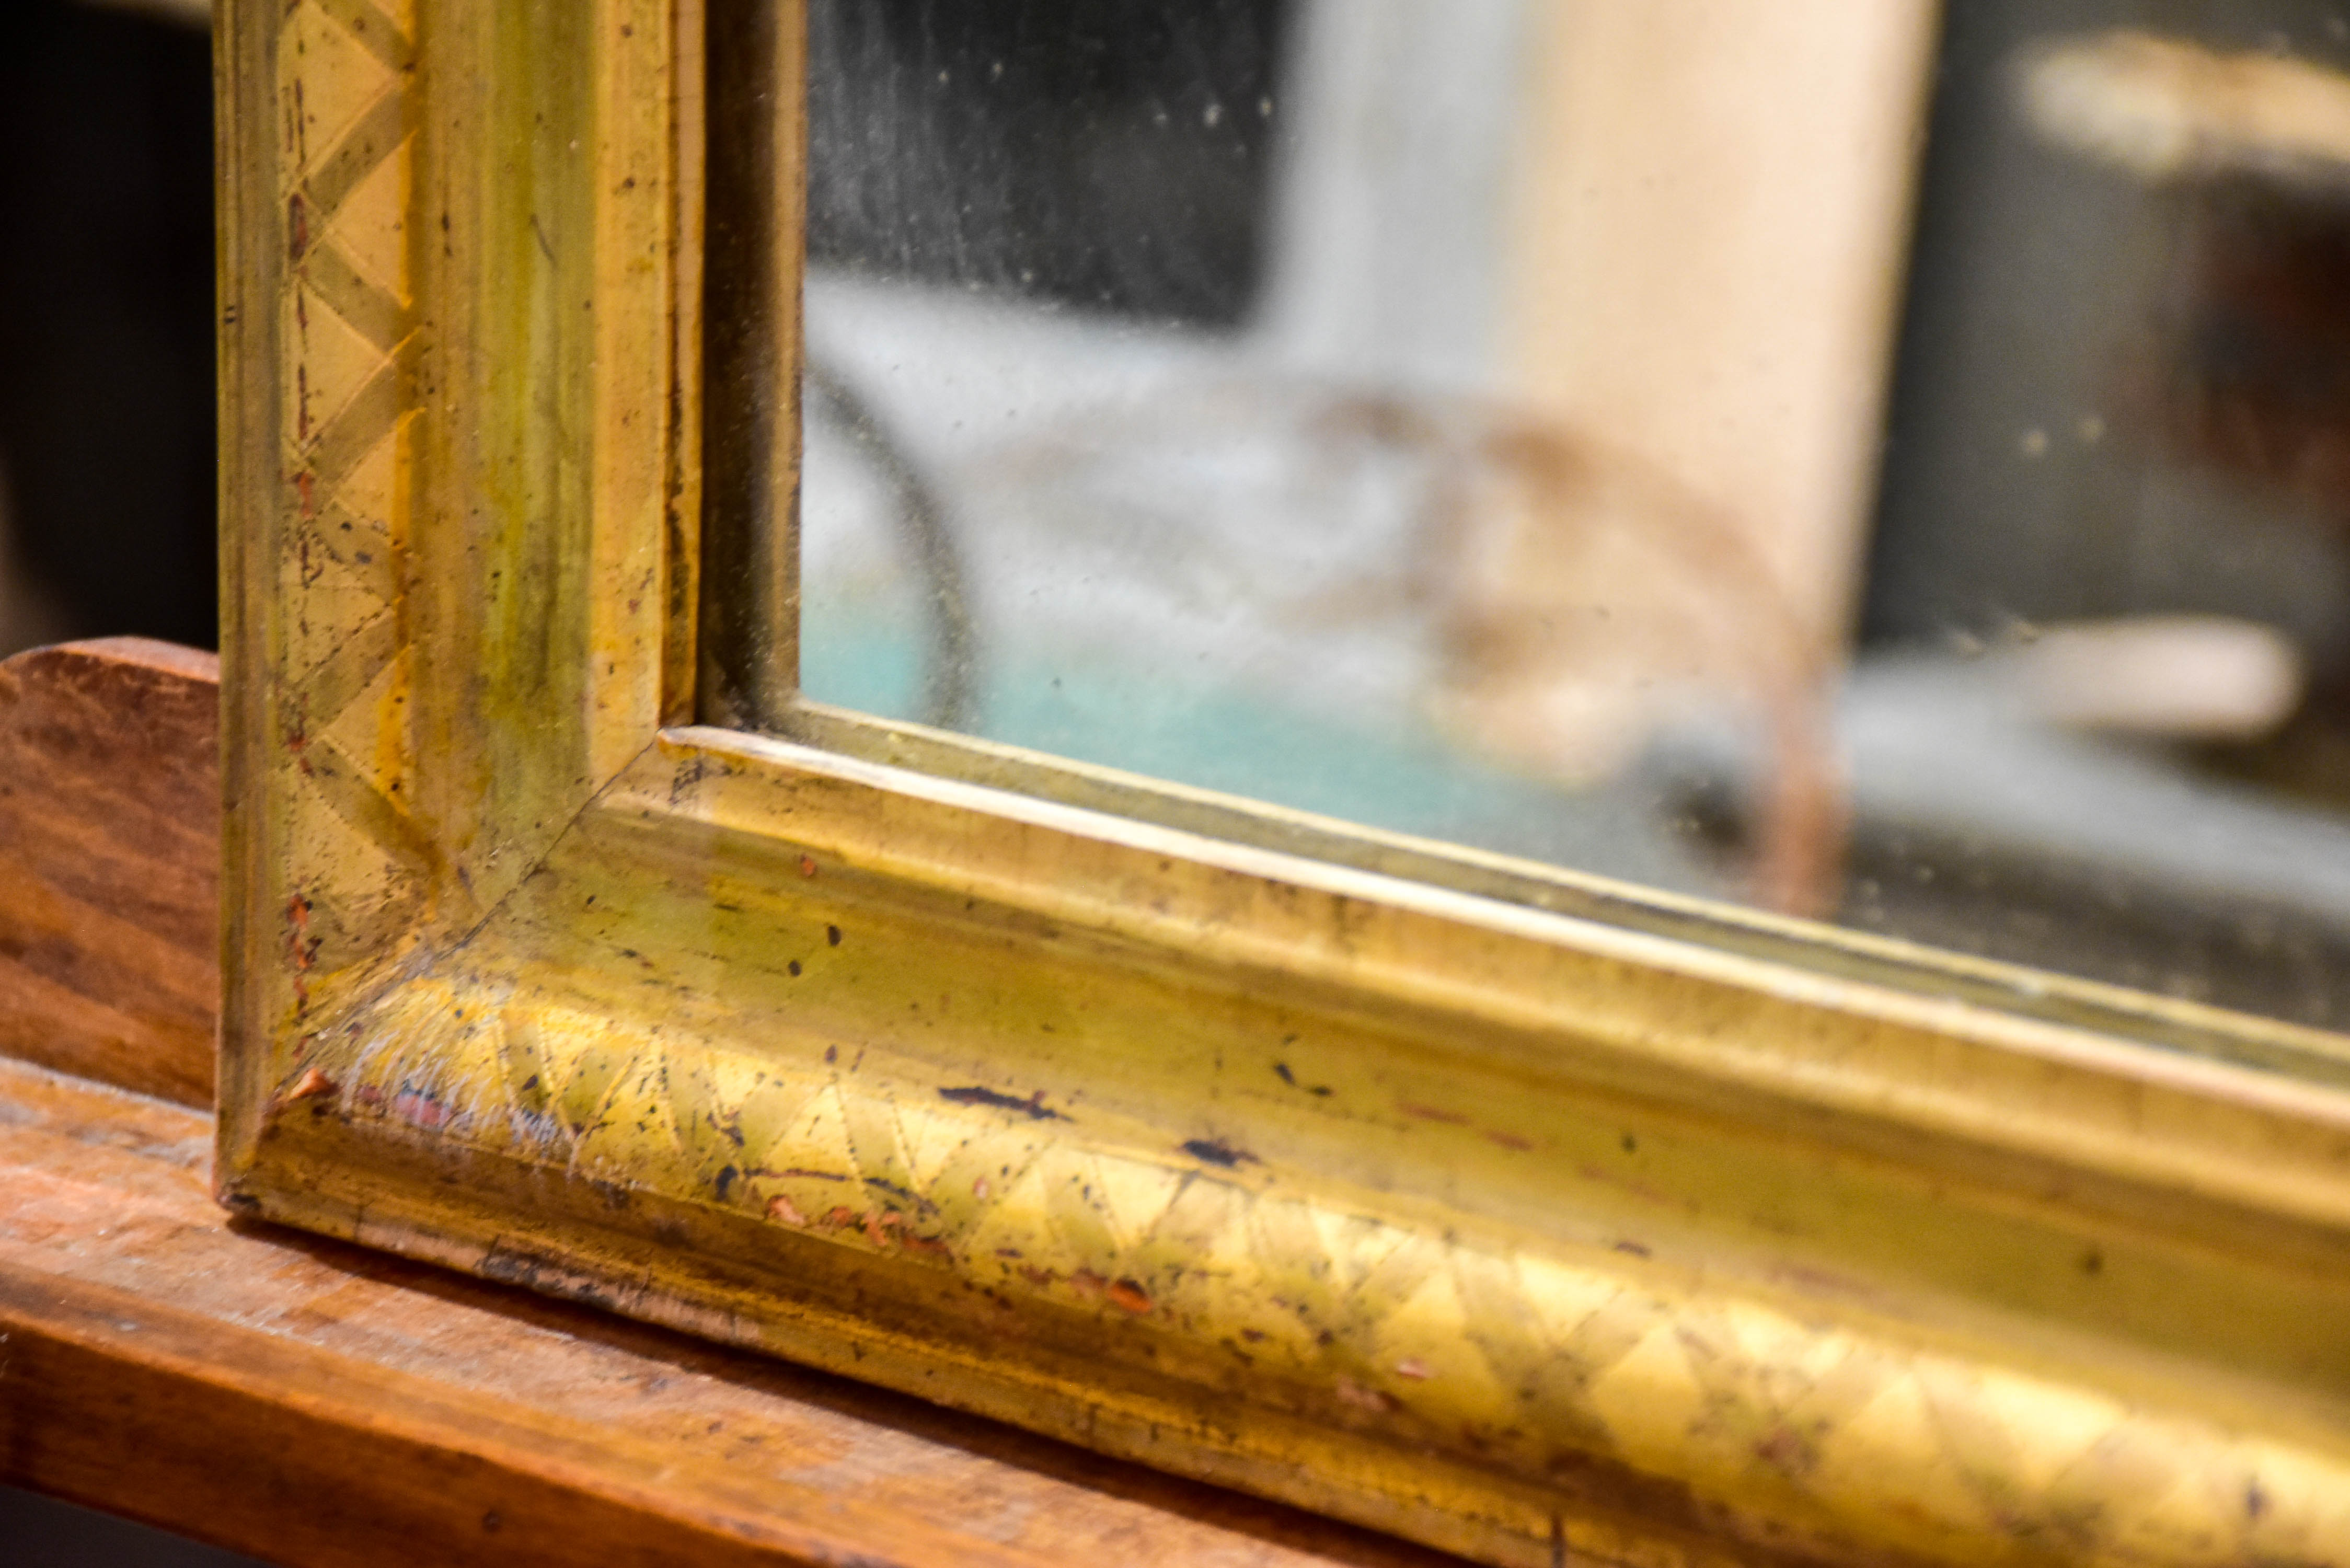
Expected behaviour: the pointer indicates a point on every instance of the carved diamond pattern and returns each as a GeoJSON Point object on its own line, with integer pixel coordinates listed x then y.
{"type": "Point", "coordinates": [349, 343]}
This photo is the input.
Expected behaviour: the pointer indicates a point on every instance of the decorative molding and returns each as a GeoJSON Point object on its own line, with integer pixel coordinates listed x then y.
{"type": "Point", "coordinates": [1526, 1216]}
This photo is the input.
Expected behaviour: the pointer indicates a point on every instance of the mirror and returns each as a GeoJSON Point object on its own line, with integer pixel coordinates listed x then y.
{"type": "Point", "coordinates": [1870, 463]}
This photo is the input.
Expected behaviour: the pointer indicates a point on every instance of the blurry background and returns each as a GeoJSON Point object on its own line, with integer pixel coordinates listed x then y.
{"type": "Point", "coordinates": [1361, 451]}
{"type": "Point", "coordinates": [1806, 455]}
{"type": "Point", "coordinates": [106, 336]}
{"type": "Point", "coordinates": [2012, 488]}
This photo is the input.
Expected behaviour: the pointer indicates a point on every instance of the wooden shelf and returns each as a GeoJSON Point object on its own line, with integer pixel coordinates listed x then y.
{"type": "Point", "coordinates": [319, 1405]}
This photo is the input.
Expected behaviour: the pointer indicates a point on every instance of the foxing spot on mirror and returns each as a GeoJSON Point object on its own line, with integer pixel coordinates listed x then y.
{"type": "Point", "coordinates": [1854, 460]}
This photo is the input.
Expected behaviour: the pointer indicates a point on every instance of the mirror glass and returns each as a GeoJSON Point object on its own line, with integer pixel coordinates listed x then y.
{"type": "Point", "coordinates": [1866, 460]}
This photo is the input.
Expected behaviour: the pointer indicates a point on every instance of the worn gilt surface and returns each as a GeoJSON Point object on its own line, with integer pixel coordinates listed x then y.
{"type": "Point", "coordinates": [1528, 1238]}
{"type": "Point", "coordinates": [350, 347]}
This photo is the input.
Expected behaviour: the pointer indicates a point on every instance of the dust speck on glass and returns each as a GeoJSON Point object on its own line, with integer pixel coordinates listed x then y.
{"type": "Point", "coordinates": [1872, 460]}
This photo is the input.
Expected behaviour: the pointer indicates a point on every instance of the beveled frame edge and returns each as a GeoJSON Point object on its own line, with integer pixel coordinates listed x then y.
{"type": "Point", "coordinates": [1644, 1245]}
{"type": "Point", "coordinates": [2195, 1029]}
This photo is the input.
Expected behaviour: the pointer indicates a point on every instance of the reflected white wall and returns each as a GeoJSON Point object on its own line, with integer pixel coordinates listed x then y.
{"type": "Point", "coordinates": [1393, 188]}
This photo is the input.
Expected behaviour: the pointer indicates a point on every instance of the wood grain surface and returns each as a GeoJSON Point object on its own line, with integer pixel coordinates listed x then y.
{"type": "Point", "coordinates": [315, 1404]}
{"type": "Point", "coordinates": [110, 863]}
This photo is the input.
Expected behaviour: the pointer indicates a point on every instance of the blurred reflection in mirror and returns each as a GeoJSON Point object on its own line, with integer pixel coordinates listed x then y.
{"type": "Point", "coordinates": [1872, 463]}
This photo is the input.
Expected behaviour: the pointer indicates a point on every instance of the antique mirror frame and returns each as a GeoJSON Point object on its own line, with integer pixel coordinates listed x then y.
{"type": "Point", "coordinates": [1526, 1215]}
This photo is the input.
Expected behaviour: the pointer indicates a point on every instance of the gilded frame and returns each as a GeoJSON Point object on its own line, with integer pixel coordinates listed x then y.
{"type": "Point", "coordinates": [1533, 1217]}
